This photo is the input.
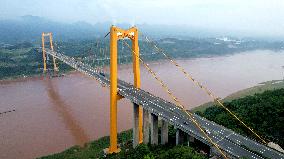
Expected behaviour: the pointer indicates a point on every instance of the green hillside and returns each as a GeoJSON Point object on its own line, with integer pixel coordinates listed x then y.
{"type": "Point", "coordinates": [263, 112]}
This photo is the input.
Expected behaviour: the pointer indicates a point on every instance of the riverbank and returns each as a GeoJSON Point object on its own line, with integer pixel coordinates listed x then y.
{"type": "Point", "coordinates": [34, 77]}
{"type": "Point", "coordinates": [260, 88]}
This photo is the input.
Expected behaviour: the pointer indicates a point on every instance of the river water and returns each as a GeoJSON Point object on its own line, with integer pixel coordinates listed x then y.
{"type": "Point", "coordinates": [53, 114]}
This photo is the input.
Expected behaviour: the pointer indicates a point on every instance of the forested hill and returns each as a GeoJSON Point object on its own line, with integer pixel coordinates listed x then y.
{"type": "Point", "coordinates": [23, 59]}
{"type": "Point", "coordinates": [263, 112]}
{"type": "Point", "coordinates": [29, 29]}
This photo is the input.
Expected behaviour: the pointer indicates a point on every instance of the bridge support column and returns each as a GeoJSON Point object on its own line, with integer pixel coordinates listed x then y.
{"type": "Point", "coordinates": [212, 152]}
{"type": "Point", "coordinates": [179, 137]}
{"type": "Point", "coordinates": [190, 138]}
{"type": "Point", "coordinates": [164, 132]}
{"type": "Point", "coordinates": [135, 125]}
{"type": "Point", "coordinates": [55, 68]}
{"type": "Point", "coordinates": [137, 82]}
{"type": "Point", "coordinates": [154, 129]}
{"type": "Point", "coordinates": [113, 92]}
{"type": "Point", "coordinates": [146, 124]}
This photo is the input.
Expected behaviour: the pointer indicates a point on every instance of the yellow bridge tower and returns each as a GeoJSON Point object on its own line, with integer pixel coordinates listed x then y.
{"type": "Point", "coordinates": [43, 35]}
{"type": "Point", "coordinates": [116, 34]}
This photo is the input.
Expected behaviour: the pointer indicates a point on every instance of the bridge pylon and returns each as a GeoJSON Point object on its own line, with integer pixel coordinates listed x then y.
{"type": "Point", "coordinates": [115, 35]}
{"type": "Point", "coordinates": [43, 35]}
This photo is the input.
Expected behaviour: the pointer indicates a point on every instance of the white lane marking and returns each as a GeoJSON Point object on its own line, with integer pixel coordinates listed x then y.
{"type": "Point", "coordinates": [224, 137]}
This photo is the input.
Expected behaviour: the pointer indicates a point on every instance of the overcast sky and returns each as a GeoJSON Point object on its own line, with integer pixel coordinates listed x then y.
{"type": "Point", "coordinates": [257, 16]}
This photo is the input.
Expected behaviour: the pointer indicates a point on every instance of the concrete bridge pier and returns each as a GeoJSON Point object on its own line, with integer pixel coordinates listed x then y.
{"type": "Point", "coordinates": [154, 129]}
{"type": "Point", "coordinates": [135, 125]}
{"type": "Point", "coordinates": [164, 132]}
{"type": "Point", "coordinates": [213, 153]}
{"type": "Point", "coordinates": [190, 138]}
{"type": "Point", "coordinates": [180, 137]}
{"type": "Point", "coordinates": [146, 125]}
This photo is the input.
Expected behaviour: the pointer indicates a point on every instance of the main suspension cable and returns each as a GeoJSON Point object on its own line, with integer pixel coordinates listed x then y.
{"type": "Point", "coordinates": [207, 91]}
{"type": "Point", "coordinates": [179, 104]}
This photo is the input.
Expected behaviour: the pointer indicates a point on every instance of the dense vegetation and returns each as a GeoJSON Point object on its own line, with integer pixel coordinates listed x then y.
{"type": "Point", "coordinates": [263, 112]}
{"type": "Point", "coordinates": [95, 150]}
{"type": "Point", "coordinates": [23, 61]}
{"type": "Point", "coordinates": [159, 152]}
{"type": "Point", "coordinates": [260, 88]}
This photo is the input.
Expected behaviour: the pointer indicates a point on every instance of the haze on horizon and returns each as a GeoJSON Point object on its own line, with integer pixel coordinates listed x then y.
{"type": "Point", "coordinates": [256, 17]}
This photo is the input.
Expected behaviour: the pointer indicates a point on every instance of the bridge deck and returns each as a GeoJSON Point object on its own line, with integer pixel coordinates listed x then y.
{"type": "Point", "coordinates": [232, 143]}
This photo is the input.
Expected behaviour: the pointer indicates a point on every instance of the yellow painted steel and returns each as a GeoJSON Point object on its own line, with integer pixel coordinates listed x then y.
{"type": "Point", "coordinates": [43, 52]}
{"type": "Point", "coordinates": [115, 35]}
{"type": "Point", "coordinates": [113, 91]}
{"type": "Point", "coordinates": [136, 72]}
{"type": "Point", "coordinates": [51, 47]}
{"type": "Point", "coordinates": [43, 35]}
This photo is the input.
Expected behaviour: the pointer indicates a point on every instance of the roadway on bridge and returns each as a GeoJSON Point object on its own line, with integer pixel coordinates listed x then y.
{"type": "Point", "coordinates": [232, 143]}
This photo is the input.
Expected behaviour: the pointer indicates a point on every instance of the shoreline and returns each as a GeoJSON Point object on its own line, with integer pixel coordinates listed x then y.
{"type": "Point", "coordinates": [259, 88]}
{"type": "Point", "coordinates": [31, 77]}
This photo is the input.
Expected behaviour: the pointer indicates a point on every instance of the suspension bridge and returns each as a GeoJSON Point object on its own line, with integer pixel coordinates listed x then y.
{"type": "Point", "coordinates": [148, 108]}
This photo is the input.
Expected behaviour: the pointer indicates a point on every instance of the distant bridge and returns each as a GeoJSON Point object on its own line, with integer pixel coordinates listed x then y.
{"type": "Point", "coordinates": [232, 144]}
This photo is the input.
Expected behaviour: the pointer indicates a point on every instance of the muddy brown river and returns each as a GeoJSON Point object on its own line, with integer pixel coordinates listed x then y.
{"type": "Point", "coordinates": [53, 114]}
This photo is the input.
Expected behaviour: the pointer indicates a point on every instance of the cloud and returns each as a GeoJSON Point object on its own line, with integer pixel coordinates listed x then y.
{"type": "Point", "coordinates": [261, 16]}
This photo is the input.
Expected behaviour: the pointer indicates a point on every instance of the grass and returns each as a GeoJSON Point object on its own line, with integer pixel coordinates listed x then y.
{"type": "Point", "coordinates": [92, 149]}
{"type": "Point", "coordinates": [269, 85]}
{"type": "Point", "coordinates": [95, 149]}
